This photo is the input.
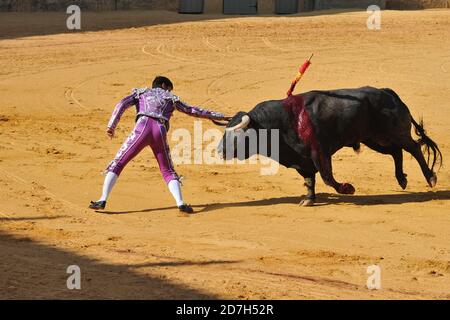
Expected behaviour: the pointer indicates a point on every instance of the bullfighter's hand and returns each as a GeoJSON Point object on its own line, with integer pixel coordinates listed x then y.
{"type": "Point", "coordinates": [110, 133]}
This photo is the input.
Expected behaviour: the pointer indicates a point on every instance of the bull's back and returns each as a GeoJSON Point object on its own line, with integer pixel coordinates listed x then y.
{"type": "Point", "coordinates": [348, 116]}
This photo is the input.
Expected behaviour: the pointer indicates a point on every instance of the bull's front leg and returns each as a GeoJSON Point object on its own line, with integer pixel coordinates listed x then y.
{"type": "Point", "coordinates": [322, 161]}
{"type": "Point", "coordinates": [310, 184]}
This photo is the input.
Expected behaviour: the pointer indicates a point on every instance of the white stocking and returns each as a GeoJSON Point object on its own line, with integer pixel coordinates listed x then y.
{"type": "Point", "coordinates": [175, 189]}
{"type": "Point", "coordinates": [110, 181]}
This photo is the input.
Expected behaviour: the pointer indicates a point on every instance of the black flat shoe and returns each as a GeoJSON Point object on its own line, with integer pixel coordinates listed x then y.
{"type": "Point", "coordinates": [97, 205]}
{"type": "Point", "coordinates": [186, 208]}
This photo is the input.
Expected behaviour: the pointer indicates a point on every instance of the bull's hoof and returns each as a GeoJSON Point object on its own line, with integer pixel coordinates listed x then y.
{"type": "Point", "coordinates": [403, 182]}
{"type": "Point", "coordinates": [346, 188]}
{"type": "Point", "coordinates": [307, 202]}
{"type": "Point", "coordinates": [432, 181]}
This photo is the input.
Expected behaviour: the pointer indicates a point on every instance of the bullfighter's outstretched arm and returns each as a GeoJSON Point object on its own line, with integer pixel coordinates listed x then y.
{"type": "Point", "coordinates": [199, 112]}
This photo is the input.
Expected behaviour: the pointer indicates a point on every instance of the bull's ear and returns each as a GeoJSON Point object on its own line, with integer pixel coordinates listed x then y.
{"type": "Point", "coordinates": [245, 121]}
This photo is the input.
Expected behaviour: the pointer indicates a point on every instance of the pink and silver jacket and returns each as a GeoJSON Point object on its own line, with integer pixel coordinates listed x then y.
{"type": "Point", "coordinates": [158, 103]}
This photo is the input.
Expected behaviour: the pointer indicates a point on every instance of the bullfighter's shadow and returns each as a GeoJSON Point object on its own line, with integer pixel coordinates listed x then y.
{"type": "Point", "coordinates": [323, 199]}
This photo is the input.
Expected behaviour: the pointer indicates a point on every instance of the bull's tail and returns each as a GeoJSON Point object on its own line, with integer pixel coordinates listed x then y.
{"type": "Point", "coordinates": [430, 148]}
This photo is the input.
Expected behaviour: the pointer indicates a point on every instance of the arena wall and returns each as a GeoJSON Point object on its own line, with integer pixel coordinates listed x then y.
{"type": "Point", "coordinates": [346, 4]}
{"type": "Point", "coordinates": [417, 4]}
{"type": "Point", "coordinates": [211, 6]}
{"type": "Point", "coordinates": [98, 5]}
{"type": "Point", "coordinates": [264, 6]}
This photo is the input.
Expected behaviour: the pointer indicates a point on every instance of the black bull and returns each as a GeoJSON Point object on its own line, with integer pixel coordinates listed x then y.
{"type": "Point", "coordinates": [313, 126]}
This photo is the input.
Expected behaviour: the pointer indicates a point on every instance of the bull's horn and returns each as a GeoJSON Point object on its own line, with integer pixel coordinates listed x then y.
{"type": "Point", "coordinates": [244, 123]}
{"type": "Point", "coordinates": [218, 123]}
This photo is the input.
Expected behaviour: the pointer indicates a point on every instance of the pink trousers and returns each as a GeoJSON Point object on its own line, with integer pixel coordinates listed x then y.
{"type": "Point", "coordinates": [147, 132]}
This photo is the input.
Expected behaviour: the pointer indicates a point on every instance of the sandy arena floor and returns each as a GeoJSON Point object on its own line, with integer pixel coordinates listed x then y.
{"type": "Point", "coordinates": [250, 239]}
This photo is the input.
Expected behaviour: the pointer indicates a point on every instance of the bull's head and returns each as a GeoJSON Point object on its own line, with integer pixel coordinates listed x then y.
{"type": "Point", "coordinates": [240, 139]}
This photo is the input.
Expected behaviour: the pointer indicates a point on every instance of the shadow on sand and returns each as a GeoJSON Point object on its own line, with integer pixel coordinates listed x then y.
{"type": "Point", "coordinates": [7, 218]}
{"type": "Point", "coordinates": [35, 270]}
{"type": "Point", "coordinates": [25, 24]}
{"type": "Point", "coordinates": [323, 199]}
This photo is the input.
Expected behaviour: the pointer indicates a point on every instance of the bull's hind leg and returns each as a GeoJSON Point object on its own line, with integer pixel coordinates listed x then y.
{"type": "Point", "coordinates": [322, 162]}
{"type": "Point", "coordinates": [397, 154]}
{"type": "Point", "coordinates": [414, 148]}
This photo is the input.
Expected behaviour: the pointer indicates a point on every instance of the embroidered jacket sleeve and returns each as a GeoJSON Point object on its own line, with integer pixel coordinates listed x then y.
{"type": "Point", "coordinates": [196, 111]}
{"type": "Point", "coordinates": [120, 108]}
